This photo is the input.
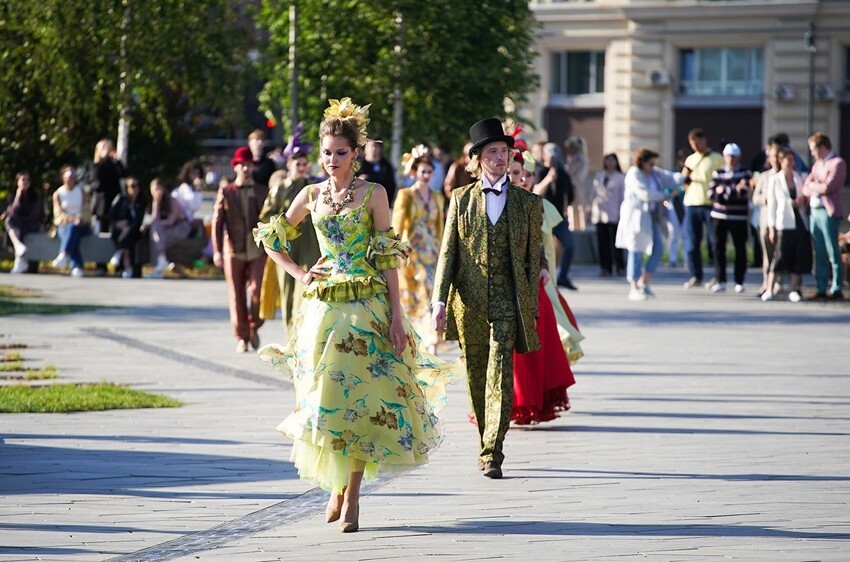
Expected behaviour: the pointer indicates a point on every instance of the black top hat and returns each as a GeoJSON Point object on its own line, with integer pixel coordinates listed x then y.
{"type": "Point", "coordinates": [487, 131]}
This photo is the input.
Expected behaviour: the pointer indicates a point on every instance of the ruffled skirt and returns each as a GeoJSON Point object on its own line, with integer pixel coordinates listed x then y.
{"type": "Point", "coordinates": [358, 406]}
{"type": "Point", "coordinates": [541, 378]}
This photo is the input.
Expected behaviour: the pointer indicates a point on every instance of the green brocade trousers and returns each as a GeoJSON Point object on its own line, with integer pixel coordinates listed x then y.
{"type": "Point", "coordinates": [490, 382]}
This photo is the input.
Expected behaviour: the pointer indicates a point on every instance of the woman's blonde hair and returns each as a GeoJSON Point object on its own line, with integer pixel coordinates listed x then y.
{"type": "Point", "coordinates": [98, 149]}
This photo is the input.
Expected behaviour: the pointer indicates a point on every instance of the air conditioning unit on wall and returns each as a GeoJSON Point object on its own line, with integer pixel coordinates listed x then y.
{"type": "Point", "coordinates": [658, 78]}
{"type": "Point", "coordinates": [784, 92]}
{"type": "Point", "coordinates": [824, 92]}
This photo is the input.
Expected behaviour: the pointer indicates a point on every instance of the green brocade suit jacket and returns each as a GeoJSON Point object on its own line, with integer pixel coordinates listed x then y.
{"type": "Point", "coordinates": [461, 277]}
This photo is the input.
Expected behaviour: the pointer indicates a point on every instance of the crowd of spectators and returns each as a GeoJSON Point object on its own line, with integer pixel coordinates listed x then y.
{"type": "Point", "coordinates": [789, 213]}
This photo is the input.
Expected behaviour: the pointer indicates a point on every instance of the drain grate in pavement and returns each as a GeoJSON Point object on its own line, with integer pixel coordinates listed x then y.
{"type": "Point", "coordinates": [277, 515]}
{"type": "Point", "coordinates": [186, 359]}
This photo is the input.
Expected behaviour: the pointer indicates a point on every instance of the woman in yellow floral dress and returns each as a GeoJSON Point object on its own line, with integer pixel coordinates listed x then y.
{"type": "Point", "coordinates": [366, 395]}
{"type": "Point", "coordinates": [418, 219]}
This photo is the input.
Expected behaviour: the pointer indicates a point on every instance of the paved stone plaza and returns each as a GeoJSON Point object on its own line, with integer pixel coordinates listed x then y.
{"type": "Point", "coordinates": [704, 427]}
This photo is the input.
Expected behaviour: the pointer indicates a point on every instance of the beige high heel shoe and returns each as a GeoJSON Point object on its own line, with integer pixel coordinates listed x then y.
{"type": "Point", "coordinates": [351, 526]}
{"type": "Point", "coordinates": [332, 513]}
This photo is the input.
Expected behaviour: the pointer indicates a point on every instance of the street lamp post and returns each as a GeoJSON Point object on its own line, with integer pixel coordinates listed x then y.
{"type": "Point", "coordinates": [810, 108]}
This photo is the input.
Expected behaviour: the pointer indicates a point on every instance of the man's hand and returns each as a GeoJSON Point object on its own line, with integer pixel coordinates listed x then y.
{"type": "Point", "coordinates": [438, 318]}
{"type": "Point", "coordinates": [217, 260]}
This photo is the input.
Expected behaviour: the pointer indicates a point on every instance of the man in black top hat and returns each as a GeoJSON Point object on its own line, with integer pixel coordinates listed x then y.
{"type": "Point", "coordinates": [486, 286]}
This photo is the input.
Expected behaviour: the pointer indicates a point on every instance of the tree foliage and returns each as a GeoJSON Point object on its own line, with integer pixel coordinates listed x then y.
{"type": "Point", "coordinates": [62, 66]}
{"type": "Point", "coordinates": [458, 64]}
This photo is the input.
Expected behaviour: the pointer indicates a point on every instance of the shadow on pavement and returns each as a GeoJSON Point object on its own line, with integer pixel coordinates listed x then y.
{"type": "Point", "coordinates": [32, 469]}
{"type": "Point", "coordinates": [554, 528]}
{"type": "Point", "coordinates": [676, 430]}
{"type": "Point", "coordinates": [654, 317]}
{"type": "Point", "coordinates": [680, 415]}
{"type": "Point", "coordinates": [578, 474]}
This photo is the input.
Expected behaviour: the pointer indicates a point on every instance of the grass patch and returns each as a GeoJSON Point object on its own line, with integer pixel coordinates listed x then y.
{"type": "Point", "coordinates": [10, 303]}
{"type": "Point", "coordinates": [11, 307]}
{"type": "Point", "coordinates": [29, 373]}
{"type": "Point", "coordinates": [15, 292]}
{"type": "Point", "coordinates": [61, 398]}
{"type": "Point", "coordinates": [11, 356]}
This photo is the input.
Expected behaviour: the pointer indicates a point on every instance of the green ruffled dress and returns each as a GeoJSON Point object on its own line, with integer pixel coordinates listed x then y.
{"type": "Point", "coordinates": [355, 400]}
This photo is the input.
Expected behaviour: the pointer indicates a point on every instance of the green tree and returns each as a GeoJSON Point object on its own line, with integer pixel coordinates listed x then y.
{"type": "Point", "coordinates": [62, 66]}
{"type": "Point", "coordinates": [458, 61]}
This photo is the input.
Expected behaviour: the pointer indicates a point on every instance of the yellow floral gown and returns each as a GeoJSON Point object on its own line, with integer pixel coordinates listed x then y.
{"type": "Point", "coordinates": [356, 402]}
{"type": "Point", "coordinates": [422, 228]}
{"type": "Point", "coordinates": [571, 337]}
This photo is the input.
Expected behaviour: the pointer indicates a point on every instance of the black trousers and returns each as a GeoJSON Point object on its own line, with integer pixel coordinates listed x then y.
{"type": "Point", "coordinates": [738, 231]}
{"type": "Point", "coordinates": [127, 238]}
{"type": "Point", "coordinates": [609, 255]}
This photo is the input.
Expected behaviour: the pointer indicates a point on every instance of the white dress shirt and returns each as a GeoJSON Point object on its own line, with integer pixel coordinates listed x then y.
{"type": "Point", "coordinates": [495, 201]}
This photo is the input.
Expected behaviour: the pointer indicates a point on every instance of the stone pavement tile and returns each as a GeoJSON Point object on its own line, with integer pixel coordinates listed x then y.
{"type": "Point", "coordinates": [674, 450]}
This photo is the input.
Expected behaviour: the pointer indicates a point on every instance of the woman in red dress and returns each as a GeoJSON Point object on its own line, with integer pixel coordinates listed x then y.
{"type": "Point", "coordinates": [541, 378]}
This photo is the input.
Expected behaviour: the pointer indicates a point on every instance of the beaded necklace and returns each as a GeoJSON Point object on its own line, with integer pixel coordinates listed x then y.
{"type": "Point", "coordinates": [337, 207]}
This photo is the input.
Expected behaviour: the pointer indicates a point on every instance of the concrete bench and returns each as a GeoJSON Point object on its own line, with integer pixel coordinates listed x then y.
{"type": "Point", "coordinates": [587, 247]}
{"type": "Point", "coordinates": [99, 248]}
{"type": "Point", "coordinates": [96, 248]}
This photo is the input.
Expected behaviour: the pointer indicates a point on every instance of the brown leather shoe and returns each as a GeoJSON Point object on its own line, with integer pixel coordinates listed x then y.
{"type": "Point", "coordinates": [492, 469]}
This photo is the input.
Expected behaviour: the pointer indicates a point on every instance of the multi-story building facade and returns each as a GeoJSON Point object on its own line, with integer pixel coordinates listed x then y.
{"type": "Point", "coordinates": [630, 73]}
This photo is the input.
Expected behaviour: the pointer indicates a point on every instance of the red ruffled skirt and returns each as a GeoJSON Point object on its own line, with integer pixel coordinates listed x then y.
{"type": "Point", "coordinates": [541, 378]}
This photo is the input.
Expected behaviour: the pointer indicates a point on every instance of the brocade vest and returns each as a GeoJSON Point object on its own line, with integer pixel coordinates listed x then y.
{"type": "Point", "coordinates": [500, 284]}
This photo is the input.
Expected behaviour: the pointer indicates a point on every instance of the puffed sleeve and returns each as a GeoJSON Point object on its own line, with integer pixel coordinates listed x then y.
{"type": "Point", "coordinates": [386, 248]}
{"type": "Point", "coordinates": [277, 234]}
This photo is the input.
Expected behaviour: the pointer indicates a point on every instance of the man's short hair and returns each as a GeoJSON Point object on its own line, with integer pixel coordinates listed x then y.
{"type": "Point", "coordinates": [257, 134]}
{"type": "Point", "coordinates": [696, 134]}
{"type": "Point", "coordinates": [821, 140]}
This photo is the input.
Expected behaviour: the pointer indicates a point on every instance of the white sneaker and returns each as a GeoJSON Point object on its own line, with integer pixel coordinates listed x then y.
{"type": "Point", "coordinates": [20, 249]}
{"type": "Point", "coordinates": [160, 266]}
{"type": "Point", "coordinates": [768, 296]}
{"type": "Point", "coordinates": [637, 295]}
{"type": "Point", "coordinates": [739, 288]}
{"type": "Point", "coordinates": [127, 273]}
{"type": "Point", "coordinates": [115, 261]}
{"type": "Point", "coordinates": [76, 272]}
{"type": "Point", "coordinates": [60, 261]}
{"type": "Point", "coordinates": [794, 296]}
{"type": "Point", "coordinates": [20, 266]}
{"type": "Point", "coordinates": [710, 283]}
{"type": "Point", "coordinates": [718, 288]}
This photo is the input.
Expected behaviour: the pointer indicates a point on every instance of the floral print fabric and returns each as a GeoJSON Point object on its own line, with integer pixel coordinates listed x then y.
{"type": "Point", "coordinates": [423, 230]}
{"type": "Point", "coordinates": [356, 402]}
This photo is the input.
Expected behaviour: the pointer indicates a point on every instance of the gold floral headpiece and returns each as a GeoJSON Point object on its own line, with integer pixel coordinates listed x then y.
{"type": "Point", "coordinates": [346, 109]}
{"type": "Point", "coordinates": [408, 158]}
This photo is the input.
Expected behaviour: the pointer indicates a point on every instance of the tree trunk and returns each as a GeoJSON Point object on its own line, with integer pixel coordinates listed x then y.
{"type": "Point", "coordinates": [398, 102]}
{"type": "Point", "coordinates": [123, 141]}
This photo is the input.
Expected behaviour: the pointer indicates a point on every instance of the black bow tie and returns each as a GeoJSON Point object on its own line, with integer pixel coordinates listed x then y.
{"type": "Point", "coordinates": [492, 190]}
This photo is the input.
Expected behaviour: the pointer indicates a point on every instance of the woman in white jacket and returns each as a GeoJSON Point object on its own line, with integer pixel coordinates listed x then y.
{"type": "Point", "coordinates": [642, 218]}
{"type": "Point", "coordinates": [786, 226]}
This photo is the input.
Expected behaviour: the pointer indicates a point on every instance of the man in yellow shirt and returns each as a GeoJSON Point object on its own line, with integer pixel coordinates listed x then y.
{"type": "Point", "coordinates": [698, 169]}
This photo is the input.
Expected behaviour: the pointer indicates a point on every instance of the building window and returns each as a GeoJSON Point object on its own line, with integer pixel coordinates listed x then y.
{"type": "Point", "coordinates": [576, 73]}
{"type": "Point", "coordinates": [721, 72]}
